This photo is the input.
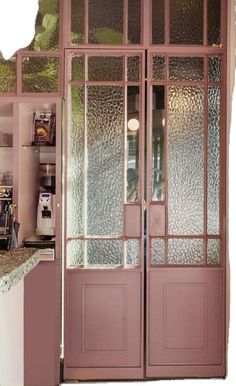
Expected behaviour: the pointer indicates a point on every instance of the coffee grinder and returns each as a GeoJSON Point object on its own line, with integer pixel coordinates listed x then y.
{"type": "Point", "coordinates": [46, 204]}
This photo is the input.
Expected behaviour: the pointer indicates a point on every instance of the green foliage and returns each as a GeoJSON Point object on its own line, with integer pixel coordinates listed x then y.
{"type": "Point", "coordinates": [47, 27]}
{"type": "Point", "coordinates": [8, 75]}
{"type": "Point", "coordinates": [107, 36]}
{"type": "Point", "coordinates": [40, 74]}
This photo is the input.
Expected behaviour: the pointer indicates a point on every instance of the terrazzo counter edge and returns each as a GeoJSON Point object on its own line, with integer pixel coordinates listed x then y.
{"type": "Point", "coordinates": [15, 265]}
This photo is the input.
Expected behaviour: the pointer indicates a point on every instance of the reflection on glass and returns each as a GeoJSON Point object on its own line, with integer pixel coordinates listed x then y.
{"type": "Point", "coordinates": [186, 21]}
{"type": "Point", "coordinates": [105, 21]}
{"type": "Point", "coordinates": [186, 68]}
{"type": "Point", "coordinates": [105, 68]}
{"type": "Point", "coordinates": [134, 21]}
{"type": "Point", "coordinates": [105, 160]}
{"type": "Point", "coordinates": [158, 125]}
{"type": "Point", "coordinates": [132, 253]}
{"type": "Point", "coordinates": [158, 17]}
{"type": "Point", "coordinates": [214, 69]}
{"type": "Point", "coordinates": [46, 27]}
{"type": "Point", "coordinates": [8, 75]}
{"type": "Point", "coordinates": [40, 74]}
{"type": "Point", "coordinates": [77, 68]}
{"type": "Point", "coordinates": [213, 251]}
{"type": "Point", "coordinates": [77, 21]}
{"type": "Point", "coordinates": [214, 27]}
{"type": "Point", "coordinates": [75, 255]}
{"type": "Point", "coordinates": [132, 143]}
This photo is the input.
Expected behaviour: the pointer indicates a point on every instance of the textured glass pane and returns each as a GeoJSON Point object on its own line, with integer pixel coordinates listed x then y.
{"type": "Point", "coordinates": [158, 9]}
{"type": "Point", "coordinates": [213, 251]}
{"type": "Point", "coordinates": [185, 251]}
{"type": "Point", "coordinates": [132, 145]}
{"type": "Point", "coordinates": [158, 127]}
{"type": "Point", "coordinates": [186, 68]}
{"type": "Point", "coordinates": [133, 70]}
{"type": "Point", "coordinates": [105, 68]}
{"type": "Point", "coordinates": [106, 21]}
{"type": "Point", "coordinates": [214, 16]}
{"type": "Point", "coordinates": [186, 160]}
{"type": "Point", "coordinates": [214, 71]}
{"type": "Point", "coordinates": [40, 74]}
{"type": "Point", "coordinates": [158, 67]}
{"type": "Point", "coordinates": [105, 160]}
{"type": "Point", "coordinates": [74, 256]}
{"type": "Point", "coordinates": [104, 252]}
{"type": "Point", "coordinates": [75, 163]}
{"type": "Point", "coordinates": [186, 21]}
{"type": "Point", "coordinates": [213, 160]}
{"type": "Point", "coordinates": [158, 251]}
{"type": "Point", "coordinates": [8, 75]}
{"type": "Point", "coordinates": [132, 252]}
{"type": "Point", "coordinates": [77, 68]}
{"type": "Point", "coordinates": [77, 21]}
{"type": "Point", "coordinates": [134, 21]}
{"type": "Point", "coordinates": [46, 27]}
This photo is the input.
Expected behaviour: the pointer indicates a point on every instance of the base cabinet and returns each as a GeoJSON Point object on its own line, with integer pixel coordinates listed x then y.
{"type": "Point", "coordinates": [42, 325]}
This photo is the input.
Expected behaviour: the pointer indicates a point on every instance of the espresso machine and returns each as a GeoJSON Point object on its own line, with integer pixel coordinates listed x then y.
{"type": "Point", "coordinates": [46, 203]}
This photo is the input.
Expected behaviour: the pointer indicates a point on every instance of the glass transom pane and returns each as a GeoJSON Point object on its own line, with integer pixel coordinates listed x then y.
{"type": "Point", "coordinates": [185, 251]}
{"type": "Point", "coordinates": [105, 68]}
{"type": "Point", "coordinates": [40, 74]}
{"type": "Point", "coordinates": [105, 21]}
{"type": "Point", "coordinates": [186, 21]}
{"type": "Point", "coordinates": [186, 68]}
{"type": "Point", "coordinates": [104, 252]}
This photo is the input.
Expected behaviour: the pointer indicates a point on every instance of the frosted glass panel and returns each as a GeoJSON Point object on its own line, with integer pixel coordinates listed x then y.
{"type": "Point", "coordinates": [133, 69]}
{"type": "Point", "coordinates": [158, 251]}
{"type": "Point", "coordinates": [134, 21]}
{"type": "Point", "coordinates": [213, 160]}
{"type": "Point", "coordinates": [46, 27]}
{"type": "Point", "coordinates": [105, 68]}
{"type": "Point", "coordinates": [214, 72]}
{"type": "Point", "coordinates": [185, 251]}
{"type": "Point", "coordinates": [158, 128]}
{"type": "Point", "coordinates": [40, 74]}
{"type": "Point", "coordinates": [214, 18]}
{"type": "Point", "coordinates": [132, 145]}
{"type": "Point", "coordinates": [77, 68]}
{"type": "Point", "coordinates": [75, 165]}
{"type": "Point", "coordinates": [105, 160]}
{"type": "Point", "coordinates": [186, 68]}
{"type": "Point", "coordinates": [132, 252]}
{"type": "Point", "coordinates": [213, 251]}
{"type": "Point", "coordinates": [104, 252]}
{"type": "Point", "coordinates": [158, 67]}
{"type": "Point", "coordinates": [74, 256]}
{"type": "Point", "coordinates": [186, 22]}
{"type": "Point", "coordinates": [186, 160]}
{"type": "Point", "coordinates": [8, 75]}
{"type": "Point", "coordinates": [77, 21]}
{"type": "Point", "coordinates": [106, 21]}
{"type": "Point", "coordinates": [158, 8]}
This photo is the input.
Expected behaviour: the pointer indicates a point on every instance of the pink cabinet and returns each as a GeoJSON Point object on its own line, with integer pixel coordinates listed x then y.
{"type": "Point", "coordinates": [42, 310]}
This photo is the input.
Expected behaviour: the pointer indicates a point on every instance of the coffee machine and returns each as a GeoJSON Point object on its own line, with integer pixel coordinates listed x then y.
{"type": "Point", "coordinates": [46, 203]}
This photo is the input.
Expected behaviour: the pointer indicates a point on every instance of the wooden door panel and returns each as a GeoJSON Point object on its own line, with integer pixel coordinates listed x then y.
{"type": "Point", "coordinates": [185, 317]}
{"type": "Point", "coordinates": [103, 323]}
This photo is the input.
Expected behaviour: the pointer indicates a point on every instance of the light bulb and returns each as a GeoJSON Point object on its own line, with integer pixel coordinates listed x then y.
{"type": "Point", "coordinates": [133, 124]}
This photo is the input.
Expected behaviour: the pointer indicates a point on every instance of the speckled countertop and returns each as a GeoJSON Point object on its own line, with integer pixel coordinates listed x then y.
{"type": "Point", "coordinates": [15, 265]}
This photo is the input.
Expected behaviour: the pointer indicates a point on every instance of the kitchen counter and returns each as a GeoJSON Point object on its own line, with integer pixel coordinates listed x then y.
{"type": "Point", "coordinates": [15, 265]}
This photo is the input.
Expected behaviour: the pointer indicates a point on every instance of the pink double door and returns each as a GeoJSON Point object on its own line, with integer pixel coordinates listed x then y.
{"type": "Point", "coordinates": [145, 215]}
